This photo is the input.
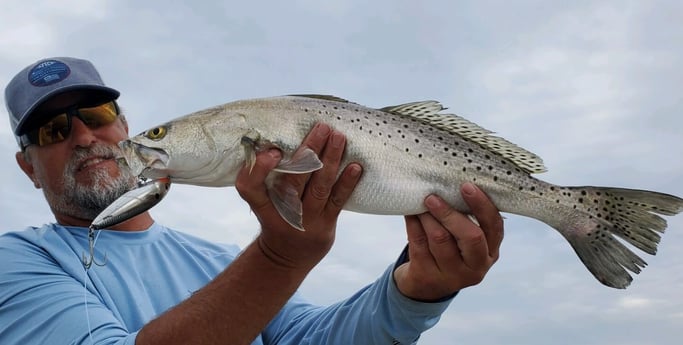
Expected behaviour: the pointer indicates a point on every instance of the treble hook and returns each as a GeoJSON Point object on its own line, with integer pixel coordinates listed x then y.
{"type": "Point", "coordinates": [87, 262]}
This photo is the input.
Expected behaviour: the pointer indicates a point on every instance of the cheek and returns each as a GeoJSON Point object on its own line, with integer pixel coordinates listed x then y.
{"type": "Point", "coordinates": [49, 167]}
{"type": "Point", "coordinates": [50, 175]}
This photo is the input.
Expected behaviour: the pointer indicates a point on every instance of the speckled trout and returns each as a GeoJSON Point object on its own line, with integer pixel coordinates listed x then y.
{"type": "Point", "coordinates": [407, 152]}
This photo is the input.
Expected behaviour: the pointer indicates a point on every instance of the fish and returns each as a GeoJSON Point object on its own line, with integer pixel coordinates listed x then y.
{"type": "Point", "coordinates": [407, 151]}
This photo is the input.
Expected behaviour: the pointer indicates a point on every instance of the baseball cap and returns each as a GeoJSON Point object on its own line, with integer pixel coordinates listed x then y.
{"type": "Point", "coordinates": [46, 78]}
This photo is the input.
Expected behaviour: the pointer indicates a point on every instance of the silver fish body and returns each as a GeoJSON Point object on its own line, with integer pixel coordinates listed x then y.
{"type": "Point", "coordinates": [407, 152]}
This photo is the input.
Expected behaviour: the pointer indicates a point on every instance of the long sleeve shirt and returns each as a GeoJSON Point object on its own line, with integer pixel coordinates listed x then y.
{"type": "Point", "coordinates": [48, 297]}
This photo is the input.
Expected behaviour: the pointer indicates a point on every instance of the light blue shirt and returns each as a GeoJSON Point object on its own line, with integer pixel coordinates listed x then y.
{"type": "Point", "coordinates": [43, 299]}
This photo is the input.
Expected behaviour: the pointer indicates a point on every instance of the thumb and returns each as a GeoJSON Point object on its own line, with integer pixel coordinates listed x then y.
{"type": "Point", "coordinates": [250, 182]}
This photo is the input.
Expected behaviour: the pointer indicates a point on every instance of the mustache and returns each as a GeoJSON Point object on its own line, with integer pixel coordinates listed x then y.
{"type": "Point", "coordinates": [80, 154]}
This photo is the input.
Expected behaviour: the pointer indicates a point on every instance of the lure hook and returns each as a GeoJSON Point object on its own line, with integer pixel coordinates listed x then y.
{"type": "Point", "coordinates": [89, 261]}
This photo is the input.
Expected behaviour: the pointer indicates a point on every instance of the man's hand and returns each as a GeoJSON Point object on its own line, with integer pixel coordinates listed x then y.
{"type": "Point", "coordinates": [322, 195]}
{"type": "Point", "coordinates": [447, 251]}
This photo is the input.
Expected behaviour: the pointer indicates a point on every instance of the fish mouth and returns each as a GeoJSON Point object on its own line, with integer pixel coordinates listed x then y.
{"type": "Point", "coordinates": [143, 161]}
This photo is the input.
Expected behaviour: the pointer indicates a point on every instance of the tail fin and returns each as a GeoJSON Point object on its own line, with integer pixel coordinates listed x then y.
{"type": "Point", "coordinates": [631, 215]}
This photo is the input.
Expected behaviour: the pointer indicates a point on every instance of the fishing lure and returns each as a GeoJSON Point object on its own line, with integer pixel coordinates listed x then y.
{"type": "Point", "coordinates": [127, 206]}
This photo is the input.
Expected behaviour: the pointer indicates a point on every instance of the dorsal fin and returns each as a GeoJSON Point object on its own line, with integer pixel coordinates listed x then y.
{"type": "Point", "coordinates": [323, 97]}
{"type": "Point", "coordinates": [428, 112]}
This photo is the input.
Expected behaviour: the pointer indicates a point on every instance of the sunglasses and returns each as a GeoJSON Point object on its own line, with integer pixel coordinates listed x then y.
{"type": "Point", "coordinates": [59, 126]}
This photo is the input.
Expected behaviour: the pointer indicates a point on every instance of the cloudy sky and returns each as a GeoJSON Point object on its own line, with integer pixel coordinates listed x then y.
{"type": "Point", "coordinates": [593, 87]}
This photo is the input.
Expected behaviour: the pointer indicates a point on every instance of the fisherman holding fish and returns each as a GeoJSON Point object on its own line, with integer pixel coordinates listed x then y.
{"type": "Point", "coordinates": [150, 284]}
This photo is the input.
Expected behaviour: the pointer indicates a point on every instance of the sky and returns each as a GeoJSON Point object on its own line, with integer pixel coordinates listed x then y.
{"type": "Point", "coordinates": [592, 87]}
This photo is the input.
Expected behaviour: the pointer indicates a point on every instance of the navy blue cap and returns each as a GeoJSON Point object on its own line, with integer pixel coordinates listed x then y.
{"type": "Point", "coordinates": [46, 78]}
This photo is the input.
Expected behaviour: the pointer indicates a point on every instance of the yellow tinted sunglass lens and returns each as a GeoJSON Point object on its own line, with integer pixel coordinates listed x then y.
{"type": "Point", "coordinates": [54, 131]}
{"type": "Point", "coordinates": [58, 128]}
{"type": "Point", "coordinates": [98, 116]}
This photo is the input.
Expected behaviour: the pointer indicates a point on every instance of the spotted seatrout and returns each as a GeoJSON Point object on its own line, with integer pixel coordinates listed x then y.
{"type": "Point", "coordinates": [407, 152]}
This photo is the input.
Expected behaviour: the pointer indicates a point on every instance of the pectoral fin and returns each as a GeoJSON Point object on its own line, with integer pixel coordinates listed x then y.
{"type": "Point", "coordinates": [303, 161]}
{"type": "Point", "coordinates": [287, 202]}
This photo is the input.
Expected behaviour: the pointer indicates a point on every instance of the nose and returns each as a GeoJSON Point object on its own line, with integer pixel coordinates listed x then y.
{"type": "Point", "coordinates": [81, 135]}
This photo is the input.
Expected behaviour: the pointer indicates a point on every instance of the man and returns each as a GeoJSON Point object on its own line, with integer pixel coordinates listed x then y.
{"type": "Point", "coordinates": [154, 285]}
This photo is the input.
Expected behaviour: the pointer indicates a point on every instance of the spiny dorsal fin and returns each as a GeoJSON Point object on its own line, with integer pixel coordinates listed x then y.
{"type": "Point", "coordinates": [323, 97]}
{"type": "Point", "coordinates": [428, 111]}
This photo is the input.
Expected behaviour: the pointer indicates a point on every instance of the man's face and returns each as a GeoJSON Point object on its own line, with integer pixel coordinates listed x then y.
{"type": "Point", "coordinates": [80, 175]}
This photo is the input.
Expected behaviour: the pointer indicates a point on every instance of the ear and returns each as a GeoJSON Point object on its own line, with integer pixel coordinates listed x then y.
{"type": "Point", "coordinates": [124, 122]}
{"type": "Point", "coordinates": [27, 168]}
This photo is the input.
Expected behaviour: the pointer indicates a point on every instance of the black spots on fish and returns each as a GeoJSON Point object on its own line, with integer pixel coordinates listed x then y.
{"type": "Point", "coordinates": [417, 141]}
{"type": "Point", "coordinates": [419, 155]}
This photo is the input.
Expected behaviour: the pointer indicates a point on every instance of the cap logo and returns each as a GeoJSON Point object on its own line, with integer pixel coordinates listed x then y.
{"type": "Point", "coordinates": [48, 72]}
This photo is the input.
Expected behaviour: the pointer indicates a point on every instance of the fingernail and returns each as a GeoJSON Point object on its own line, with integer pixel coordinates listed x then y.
{"type": "Point", "coordinates": [468, 188]}
{"type": "Point", "coordinates": [337, 139]}
{"type": "Point", "coordinates": [322, 130]}
{"type": "Point", "coordinates": [275, 154]}
{"type": "Point", "coordinates": [355, 170]}
{"type": "Point", "coordinates": [433, 201]}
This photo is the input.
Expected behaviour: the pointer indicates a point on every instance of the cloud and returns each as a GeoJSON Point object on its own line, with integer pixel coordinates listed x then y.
{"type": "Point", "coordinates": [592, 87]}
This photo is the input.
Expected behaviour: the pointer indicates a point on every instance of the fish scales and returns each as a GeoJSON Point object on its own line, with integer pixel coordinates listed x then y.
{"type": "Point", "coordinates": [407, 152]}
{"type": "Point", "coordinates": [405, 156]}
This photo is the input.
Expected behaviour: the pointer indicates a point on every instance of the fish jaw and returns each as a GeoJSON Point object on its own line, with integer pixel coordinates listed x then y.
{"type": "Point", "coordinates": [144, 161]}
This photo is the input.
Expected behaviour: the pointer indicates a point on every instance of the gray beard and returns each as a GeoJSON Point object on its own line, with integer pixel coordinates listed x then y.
{"type": "Point", "coordinates": [86, 202]}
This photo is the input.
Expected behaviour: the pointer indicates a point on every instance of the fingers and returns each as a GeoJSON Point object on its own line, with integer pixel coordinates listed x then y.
{"type": "Point", "coordinates": [418, 244]}
{"type": "Point", "coordinates": [250, 182]}
{"type": "Point", "coordinates": [470, 239]}
{"type": "Point", "coordinates": [488, 216]}
{"type": "Point", "coordinates": [319, 187]}
{"type": "Point", "coordinates": [441, 243]}
{"type": "Point", "coordinates": [342, 190]}
{"type": "Point", "coordinates": [324, 192]}
{"type": "Point", "coordinates": [315, 140]}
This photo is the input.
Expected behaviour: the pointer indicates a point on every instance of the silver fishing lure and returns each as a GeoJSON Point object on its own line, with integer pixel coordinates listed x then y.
{"type": "Point", "coordinates": [127, 206]}
{"type": "Point", "coordinates": [132, 203]}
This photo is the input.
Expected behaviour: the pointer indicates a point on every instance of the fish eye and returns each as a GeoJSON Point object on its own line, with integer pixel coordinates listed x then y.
{"type": "Point", "coordinates": [156, 133]}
